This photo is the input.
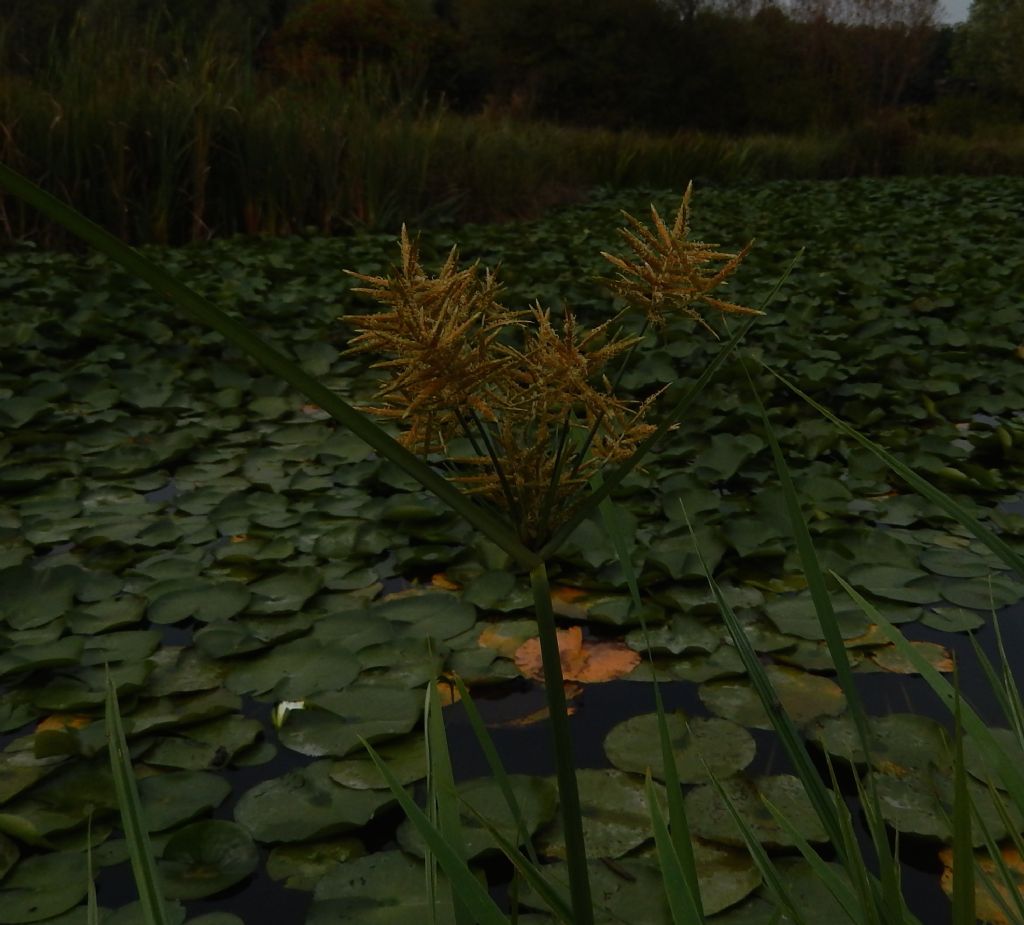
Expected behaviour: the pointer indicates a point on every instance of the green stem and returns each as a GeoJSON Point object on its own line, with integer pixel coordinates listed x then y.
{"type": "Point", "coordinates": [565, 766]}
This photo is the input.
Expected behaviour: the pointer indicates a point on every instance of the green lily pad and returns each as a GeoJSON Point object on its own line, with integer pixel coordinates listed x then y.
{"type": "Point", "coordinates": [285, 592]}
{"type": "Point", "coordinates": [62, 653]}
{"type": "Point", "coordinates": [174, 797]}
{"type": "Point", "coordinates": [364, 891]}
{"type": "Point", "coordinates": [43, 886]}
{"type": "Point", "coordinates": [295, 670]}
{"type": "Point", "coordinates": [952, 619]}
{"type": "Point", "coordinates": [700, 746]}
{"type": "Point", "coordinates": [483, 797]}
{"type": "Point", "coordinates": [797, 616]}
{"type": "Point", "coordinates": [952, 563]}
{"type": "Point", "coordinates": [709, 817]}
{"type": "Point", "coordinates": [616, 817]}
{"type": "Point", "coordinates": [34, 596]}
{"type": "Point", "coordinates": [205, 746]}
{"type": "Point", "coordinates": [207, 602]}
{"type": "Point", "coordinates": [805, 697]}
{"type": "Point", "coordinates": [162, 713]}
{"type": "Point", "coordinates": [9, 854]}
{"type": "Point", "coordinates": [684, 634]}
{"type": "Point", "coordinates": [983, 593]}
{"type": "Point", "coordinates": [632, 889]}
{"type": "Point", "coordinates": [804, 884]}
{"type": "Point", "coordinates": [333, 723]}
{"type": "Point", "coordinates": [438, 615]}
{"type": "Point", "coordinates": [205, 858]}
{"type": "Point", "coordinates": [405, 758]}
{"type": "Point", "coordinates": [899, 741]}
{"type": "Point", "coordinates": [301, 866]}
{"type": "Point", "coordinates": [306, 804]}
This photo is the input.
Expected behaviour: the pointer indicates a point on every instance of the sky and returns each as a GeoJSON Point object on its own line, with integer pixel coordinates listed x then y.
{"type": "Point", "coordinates": [955, 10]}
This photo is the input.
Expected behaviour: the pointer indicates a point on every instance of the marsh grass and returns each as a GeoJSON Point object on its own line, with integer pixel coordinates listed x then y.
{"type": "Point", "coordinates": [867, 897]}
{"type": "Point", "coordinates": [166, 138]}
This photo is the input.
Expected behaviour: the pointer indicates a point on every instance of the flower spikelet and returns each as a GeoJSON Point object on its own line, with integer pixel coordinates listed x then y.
{"type": "Point", "coordinates": [440, 336]}
{"type": "Point", "coordinates": [667, 272]}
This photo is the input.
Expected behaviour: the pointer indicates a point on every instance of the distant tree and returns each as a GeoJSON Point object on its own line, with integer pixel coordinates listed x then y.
{"type": "Point", "coordinates": [990, 47]}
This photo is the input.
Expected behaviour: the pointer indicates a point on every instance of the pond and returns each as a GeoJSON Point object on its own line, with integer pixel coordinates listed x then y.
{"type": "Point", "coordinates": [174, 512]}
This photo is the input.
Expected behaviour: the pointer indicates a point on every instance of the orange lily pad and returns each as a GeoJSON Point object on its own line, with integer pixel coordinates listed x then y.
{"type": "Point", "coordinates": [987, 907]}
{"type": "Point", "coordinates": [888, 658]}
{"type": "Point", "coordinates": [585, 661]}
{"type": "Point", "coordinates": [440, 580]}
{"type": "Point", "coordinates": [58, 722]}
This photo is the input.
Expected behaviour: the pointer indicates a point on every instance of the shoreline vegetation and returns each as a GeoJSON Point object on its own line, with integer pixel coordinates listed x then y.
{"type": "Point", "coordinates": [167, 132]}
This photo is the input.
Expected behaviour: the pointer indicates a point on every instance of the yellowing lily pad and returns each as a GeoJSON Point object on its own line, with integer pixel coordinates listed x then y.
{"type": "Point", "coordinates": [804, 696]}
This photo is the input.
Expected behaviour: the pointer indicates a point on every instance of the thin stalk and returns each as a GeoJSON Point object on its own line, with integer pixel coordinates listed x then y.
{"type": "Point", "coordinates": [556, 473]}
{"type": "Point", "coordinates": [565, 766]}
{"type": "Point", "coordinates": [199, 309]}
{"type": "Point", "coordinates": [513, 504]}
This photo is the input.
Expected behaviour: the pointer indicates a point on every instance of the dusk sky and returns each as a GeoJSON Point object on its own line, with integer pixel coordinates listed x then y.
{"type": "Point", "coordinates": [955, 10]}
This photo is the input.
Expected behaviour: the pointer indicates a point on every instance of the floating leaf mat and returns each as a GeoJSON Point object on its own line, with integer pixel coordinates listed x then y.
{"type": "Point", "coordinates": [170, 510]}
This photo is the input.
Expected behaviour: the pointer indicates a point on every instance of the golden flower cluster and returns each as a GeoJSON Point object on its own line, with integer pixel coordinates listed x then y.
{"type": "Point", "coordinates": [532, 398]}
{"type": "Point", "coordinates": [669, 273]}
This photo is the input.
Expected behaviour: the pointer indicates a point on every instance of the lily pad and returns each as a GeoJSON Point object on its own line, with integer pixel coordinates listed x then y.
{"type": "Point", "coordinates": [405, 758]}
{"type": "Point", "coordinates": [364, 891]}
{"type": "Point", "coordinates": [710, 818]}
{"type": "Point", "coordinates": [699, 746]}
{"type": "Point", "coordinates": [616, 817]}
{"type": "Point", "coordinates": [306, 804]}
{"type": "Point", "coordinates": [205, 601]}
{"type": "Point", "coordinates": [483, 797]}
{"type": "Point", "coordinates": [177, 796]}
{"type": "Point", "coordinates": [205, 858]}
{"type": "Point", "coordinates": [295, 670]}
{"type": "Point", "coordinates": [43, 886]}
{"type": "Point", "coordinates": [301, 866]}
{"type": "Point", "coordinates": [803, 695]}
{"type": "Point", "coordinates": [332, 724]}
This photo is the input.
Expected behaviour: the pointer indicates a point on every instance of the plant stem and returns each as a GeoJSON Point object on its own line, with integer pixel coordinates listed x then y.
{"type": "Point", "coordinates": [565, 766]}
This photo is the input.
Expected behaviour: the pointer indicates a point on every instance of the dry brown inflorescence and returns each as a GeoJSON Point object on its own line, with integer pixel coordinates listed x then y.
{"type": "Point", "coordinates": [533, 399]}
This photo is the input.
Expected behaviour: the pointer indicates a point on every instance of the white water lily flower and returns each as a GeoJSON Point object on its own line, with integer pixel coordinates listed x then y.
{"type": "Point", "coordinates": [283, 709]}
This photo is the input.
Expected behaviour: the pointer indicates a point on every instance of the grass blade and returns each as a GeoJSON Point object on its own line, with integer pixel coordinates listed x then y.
{"type": "Point", "coordinates": [135, 832]}
{"type": "Point", "coordinates": [963, 844]}
{"type": "Point", "coordinates": [679, 828]}
{"type": "Point", "coordinates": [685, 906]}
{"type": "Point", "coordinates": [789, 736]}
{"type": "Point", "coordinates": [199, 309]}
{"type": "Point", "coordinates": [464, 884]}
{"type": "Point", "coordinates": [442, 800]}
{"type": "Point", "coordinates": [92, 909]}
{"type": "Point", "coordinates": [530, 871]}
{"type": "Point", "coordinates": [565, 765]}
{"type": "Point", "coordinates": [486, 743]}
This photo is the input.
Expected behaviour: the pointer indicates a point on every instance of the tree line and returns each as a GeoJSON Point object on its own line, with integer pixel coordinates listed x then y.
{"type": "Point", "coordinates": [738, 66]}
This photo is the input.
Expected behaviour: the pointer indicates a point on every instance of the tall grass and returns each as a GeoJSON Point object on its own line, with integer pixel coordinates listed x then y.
{"type": "Point", "coordinates": [165, 139]}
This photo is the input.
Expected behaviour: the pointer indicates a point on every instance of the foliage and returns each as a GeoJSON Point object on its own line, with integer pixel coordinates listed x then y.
{"type": "Point", "coordinates": [988, 47]}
